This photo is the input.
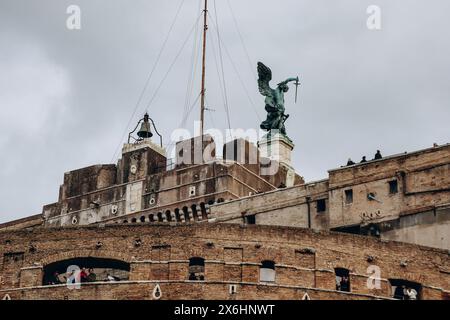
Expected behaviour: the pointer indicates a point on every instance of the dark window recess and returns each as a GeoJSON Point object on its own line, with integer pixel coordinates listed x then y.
{"type": "Point", "coordinates": [405, 290]}
{"type": "Point", "coordinates": [355, 229]}
{"type": "Point", "coordinates": [371, 196]}
{"type": "Point", "coordinates": [348, 196]}
{"type": "Point", "coordinates": [251, 219]}
{"type": "Point", "coordinates": [96, 269]}
{"type": "Point", "coordinates": [196, 268]}
{"type": "Point", "coordinates": [393, 187]}
{"type": "Point", "coordinates": [12, 257]}
{"type": "Point", "coordinates": [321, 205]}
{"type": "Point", "coordinates": [342, 279]}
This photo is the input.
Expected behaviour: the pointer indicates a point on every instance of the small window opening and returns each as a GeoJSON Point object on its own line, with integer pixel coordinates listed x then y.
{"type": "Point", "coordinates": [203, 211]}
{"type": "Point", "coordinates": [342, 279]}
{"type": "Point", "coordinates": [348, 196]}
{"type": "Point", "coordinates": [321, 205]}
{"type": "Point", "coordinates": [197, 269]}
{"type": "Point", "coordinates": [250, 219]}
{"type": "Point", "coordinates": [192, 191]}
{"type": "Point", "coordinates": [371, 196]}
{"type": "Point", "coordinates": [168, 215]}
{"type": "Point", "coordinates": [177, 214]}
{"type": "Point", "coordinates": [393, 187]}
{"type": "Point", "coordinates": [267, 271]}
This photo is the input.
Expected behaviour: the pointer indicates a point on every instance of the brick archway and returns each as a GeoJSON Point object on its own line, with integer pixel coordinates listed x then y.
{"type": "Point", "coordinates": [106, 254]}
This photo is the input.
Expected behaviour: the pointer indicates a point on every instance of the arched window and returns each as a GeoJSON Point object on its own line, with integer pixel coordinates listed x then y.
{"type": "Point", "coordinates": [160, 217]}
{"type": "Point", "coordinates": [143, 219]}
{"type": "Point", "coordinates": [177, 214]}
{"type": "Point", "coordinates": [342, 279]}
{"type": "Point", "coordinates": [203, 210]}
{"type": "Point", "coordinates": [133, 220]}
{"type": "Point", "coordinates": [87, 269]}
{"type": "Point", "coordinates": [194, 211]}
{"type": "Point", "coordinates": [196, 268]}
{"type": "Point", "coordinates": [125, 221]}
{"type": "Point", "coordinates": [186, 213]}
{"type": "Point", "coordinates": [168, 215]}
{"type": "Point", "coordinates": [267, 271]}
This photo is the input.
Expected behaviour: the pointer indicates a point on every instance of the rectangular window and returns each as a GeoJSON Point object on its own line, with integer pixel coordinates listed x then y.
{"type": "Point", "coordinates": [192, 191]}
{"type": "Point", "coordinates": [321, 205]}
{"type": "Point", "coordinates": [233, 288]}
{"type": "Point", "coordinates": [197, 268]}
{"type": "Point", "coordinates": [342, 279]}
{"type": "Point", "coordinates": [348, 196]}
{"type": "Point", "coordinates": [251, 219]}
{"type": "Point", "coordinates": [267, 271]}
{"type": "Point", "coordinates": [393, 187]}
{"type": "Point", "coordinates": [13, 257]}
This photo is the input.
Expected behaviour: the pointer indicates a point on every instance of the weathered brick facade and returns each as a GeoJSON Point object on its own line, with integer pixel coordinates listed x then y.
{"type": "Point", "coordinates": [305, 261]}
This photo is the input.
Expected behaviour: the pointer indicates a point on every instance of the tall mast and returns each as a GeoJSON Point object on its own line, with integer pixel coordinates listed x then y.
{"type": "Point", "coordinates": [202, 103]}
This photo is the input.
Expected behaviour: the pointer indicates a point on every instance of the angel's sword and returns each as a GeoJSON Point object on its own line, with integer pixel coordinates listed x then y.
{"type": "Point", "coordinates": [296, 89]}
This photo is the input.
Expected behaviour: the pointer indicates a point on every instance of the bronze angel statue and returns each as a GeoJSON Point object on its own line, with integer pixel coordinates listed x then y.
{"type": "Point", "coordinates": [274, 100]}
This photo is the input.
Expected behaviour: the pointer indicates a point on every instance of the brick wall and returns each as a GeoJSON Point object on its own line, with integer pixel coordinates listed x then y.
{"type": "Point", "coordinates": [304, 262]}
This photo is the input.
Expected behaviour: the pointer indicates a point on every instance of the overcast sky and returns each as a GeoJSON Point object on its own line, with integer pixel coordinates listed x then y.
{"type": "Point", "coordinates": [66, 96]}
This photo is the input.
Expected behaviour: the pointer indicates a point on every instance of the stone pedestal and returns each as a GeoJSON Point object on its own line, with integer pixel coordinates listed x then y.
{"type": "Point", "coordinates": [276, 147]}
{"type": "Point", "coordinates": [142, 144]}
{"type": "Point", "coordinates": [279, 148]}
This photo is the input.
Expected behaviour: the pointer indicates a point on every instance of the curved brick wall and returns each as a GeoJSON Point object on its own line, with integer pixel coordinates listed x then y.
{"type": "Point", "coordinates": [304, 262]}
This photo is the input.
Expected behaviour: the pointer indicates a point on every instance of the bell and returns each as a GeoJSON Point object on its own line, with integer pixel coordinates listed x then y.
{"type": "Point", "coordinates": [145, 131]}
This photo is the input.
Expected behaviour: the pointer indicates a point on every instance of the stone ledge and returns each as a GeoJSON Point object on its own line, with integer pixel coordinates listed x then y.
{"type": "Point", "coordinates": [272, 285]}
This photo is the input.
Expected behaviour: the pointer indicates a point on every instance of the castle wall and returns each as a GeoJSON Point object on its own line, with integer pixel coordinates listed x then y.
{"type": "Point", "coordinates": [296, 207]}
{"type": "Point", "coordinates": [141, 188]}
{"type": "Point", "coordinates": [28, 222]}
{"type": "Point", "coordinates": [429, 228]}
{"type": "Point", "coordinates": [420, 184]}
{"type": "Point", "coordinates": [304, 262]}
{"type": "Point", "coordinates": [423, 180]}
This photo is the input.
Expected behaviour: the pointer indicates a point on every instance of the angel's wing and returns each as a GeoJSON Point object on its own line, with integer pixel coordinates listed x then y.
{"type": "Point", "coordinates": [265, 75]}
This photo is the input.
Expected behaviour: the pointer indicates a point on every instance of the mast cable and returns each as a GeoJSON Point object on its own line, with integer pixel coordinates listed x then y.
{"type": "Point", "coordinates": [239, 77]}
{"type": "Point", "coordinates": [222, 68]}
{"type": "Point", "coordinates": [251, 65]}
{"type": "Point", "coordinates": [149, 77]}
{"type": "Point", "coordinates": [202, 103]}
{"type": "Point", "coordinates": [193, 66]}
{"type": "Point", "coordinates": [172, 64]}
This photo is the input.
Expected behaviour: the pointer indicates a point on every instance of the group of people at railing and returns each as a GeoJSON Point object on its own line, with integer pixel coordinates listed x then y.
{"type": "Point", "coordinates": [82, 275]}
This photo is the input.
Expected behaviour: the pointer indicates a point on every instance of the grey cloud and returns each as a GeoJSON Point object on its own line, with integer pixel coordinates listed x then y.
{"type": "Point", "coordinates": [361, 90]}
